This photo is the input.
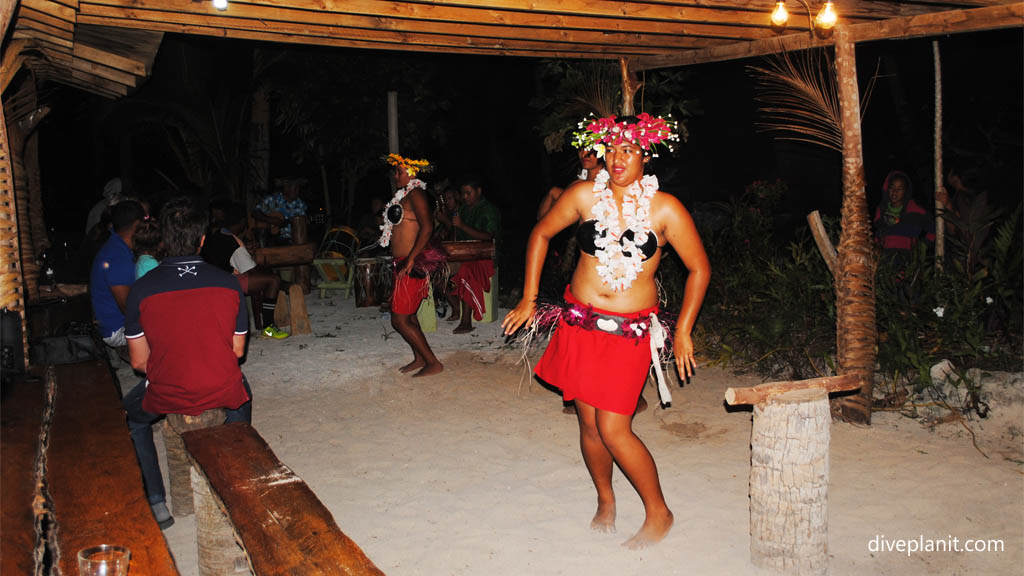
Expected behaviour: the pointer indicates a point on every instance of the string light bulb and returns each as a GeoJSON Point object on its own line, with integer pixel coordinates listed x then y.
{"type": "Point", "coordinates": [221, 5]}
{"type": "Point", "coordinates": [780, 16]}
{"type": "Point", "coordinates": [826, 18]}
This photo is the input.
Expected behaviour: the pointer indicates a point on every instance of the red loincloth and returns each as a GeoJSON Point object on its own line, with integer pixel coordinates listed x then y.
{"type": "Point", "coordinates": [471, 281]}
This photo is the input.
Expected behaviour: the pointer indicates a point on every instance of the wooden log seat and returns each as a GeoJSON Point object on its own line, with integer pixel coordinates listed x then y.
{"type": "Point", "coordinates": [292, 255]}
{"type": "Point", "coordinates": [93, 476]}
{"type": "Point", "coordinates": [281, 524]}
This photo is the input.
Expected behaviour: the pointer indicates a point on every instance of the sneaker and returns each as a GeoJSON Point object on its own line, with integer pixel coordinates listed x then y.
{"type": "Point", "coordinates": [163, 516]}
{"type": "Point", "coordinates": [274, 332]}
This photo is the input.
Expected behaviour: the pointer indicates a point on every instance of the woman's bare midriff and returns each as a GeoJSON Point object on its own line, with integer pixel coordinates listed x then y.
{"type": "Point", "coordinates": [588, 287]}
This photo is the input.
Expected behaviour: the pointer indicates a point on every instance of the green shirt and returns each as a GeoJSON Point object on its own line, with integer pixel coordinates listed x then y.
{"type": "Point", "coordinates": [482, 216]}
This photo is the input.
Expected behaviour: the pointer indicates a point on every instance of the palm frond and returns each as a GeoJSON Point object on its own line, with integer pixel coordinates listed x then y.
{"type": "Point", "coordinates": [799, 98]}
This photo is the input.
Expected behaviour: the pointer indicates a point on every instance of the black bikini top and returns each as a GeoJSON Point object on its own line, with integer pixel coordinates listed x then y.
{"type": "Point", "coordinates": [394, 214]}
{"type": "Point", "coordinates": [587, 233]}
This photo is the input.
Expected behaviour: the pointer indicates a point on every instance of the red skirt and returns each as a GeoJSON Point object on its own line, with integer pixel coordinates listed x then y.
{"type": "Point", "coordinates": [606, 371]}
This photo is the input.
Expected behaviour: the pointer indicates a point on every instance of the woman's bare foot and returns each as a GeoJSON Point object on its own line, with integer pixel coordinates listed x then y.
{"type": "Point", "coordinates": [415, 364]}
{"type": "Point", "coordinates": [654, 530]}
{"type": "Point", "coordinates": [429, 370]}
{"type": "Point", "coordinates": [462, 329]}
{"type": "Point", "coordinates": [604, 518]}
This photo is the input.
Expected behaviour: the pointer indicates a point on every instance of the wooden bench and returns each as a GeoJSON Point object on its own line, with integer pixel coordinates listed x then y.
{"type": "Point", "coordinates": [282, 526]}
{"type": "Point", "coordinates": [67, 436]}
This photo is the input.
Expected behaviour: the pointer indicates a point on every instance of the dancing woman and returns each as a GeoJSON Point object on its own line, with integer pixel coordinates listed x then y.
{"type": "Point", "coordinates": [600, 352]}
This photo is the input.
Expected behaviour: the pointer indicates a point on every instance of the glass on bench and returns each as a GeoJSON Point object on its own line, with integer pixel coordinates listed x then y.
{"type": "Point", "coordinates": [104, 560]}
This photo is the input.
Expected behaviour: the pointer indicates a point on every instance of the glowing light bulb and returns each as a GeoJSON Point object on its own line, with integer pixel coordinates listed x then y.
{"type": "Point", "coordinates": [780, 16]}
{"type": "Point", "coordinates": [220, 4]}
{"type": "Point", "coordinates": [826, 18]}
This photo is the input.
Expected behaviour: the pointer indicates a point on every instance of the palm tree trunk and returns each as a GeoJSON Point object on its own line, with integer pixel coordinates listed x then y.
{"type": "Point", "coordinates": [941, 200]}
{"type": "Point", "coordinates": [855, 284]}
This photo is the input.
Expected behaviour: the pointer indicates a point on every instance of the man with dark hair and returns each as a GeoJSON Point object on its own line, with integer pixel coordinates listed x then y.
{"type": "Point", "coordinates": [225, 250]}
{"type": "Point", "coordinates": [277, 210]}
{"type": "Point", "coordinates": [113, 272]}
{"type": "Point", "coordinates": [476, 219]}
{"type": "Point", "coordinates": [186, 325]}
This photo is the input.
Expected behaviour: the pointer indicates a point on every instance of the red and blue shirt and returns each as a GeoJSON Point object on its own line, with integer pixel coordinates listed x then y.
{"type": "Point", "coordinates": [189, 311]}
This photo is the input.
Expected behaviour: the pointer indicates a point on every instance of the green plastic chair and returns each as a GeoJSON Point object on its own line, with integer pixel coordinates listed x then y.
{"type": "Point", "coordinates": [334, 261]}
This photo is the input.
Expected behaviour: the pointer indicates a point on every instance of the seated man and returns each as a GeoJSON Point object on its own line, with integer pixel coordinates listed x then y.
{"type": "Point", "coordinates": [225, 250]}
{"type": "Point", "coordinates": [186, 325]}
{"type": "Point", "coordinates": [476, 219]}
{"type": "Point", "coordinates": [113, 272]}
{"type": "Point", "coordinates": [277, 210]}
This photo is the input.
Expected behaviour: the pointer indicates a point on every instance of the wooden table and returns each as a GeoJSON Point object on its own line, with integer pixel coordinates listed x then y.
{"type": "Point", "coordinates": [91, 473]}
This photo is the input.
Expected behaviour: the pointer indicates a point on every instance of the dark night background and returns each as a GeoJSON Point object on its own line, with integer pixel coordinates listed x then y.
{"type": "Point", "coordinates": [474, 114]}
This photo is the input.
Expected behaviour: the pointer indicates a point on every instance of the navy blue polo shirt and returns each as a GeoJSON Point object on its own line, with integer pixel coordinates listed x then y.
{"type": "Point", "coordinates": [114, 265]}
{"type": "Point", "coordinates": [189, 311]}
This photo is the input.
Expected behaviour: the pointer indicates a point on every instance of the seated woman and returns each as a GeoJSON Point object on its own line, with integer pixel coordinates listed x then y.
{"type": "Point", "coordinates": [601, 350]}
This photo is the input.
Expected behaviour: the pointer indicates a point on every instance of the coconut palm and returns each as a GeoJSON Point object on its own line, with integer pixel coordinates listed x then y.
{"type": "Point", "coordinates": [802, 100]}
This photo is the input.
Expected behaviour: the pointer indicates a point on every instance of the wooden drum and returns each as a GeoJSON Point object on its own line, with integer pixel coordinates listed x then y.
{"type": "Point", "coordinates": [372, 279]}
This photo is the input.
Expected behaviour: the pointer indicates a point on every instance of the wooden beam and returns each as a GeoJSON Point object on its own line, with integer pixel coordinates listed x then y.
{"type": "Point", "coordinates": [496, 49]}
{"type": "Point", "coordinates": [55, 10]}
{"type": "Point", "coordinates": [30, 14]}
{"type": "Point", "coordinates": [57, 56]}
{"type": "Point", "coordinates": [11, 61]}
{"type": "Point", "coordinates": [86, 52]}
{"type": "Point", "coordinates": [761, 392]}
{"type": "Point", "coordinates": [94, 80]}
{"type": "Point", "coordinates": [397, 11]}
{"type": "Point", "coordinates": [385, 36]}
{"type": "Point", "coordinates": [354, 26]}
{"type": "Point", "coordinates": [105, 72]}
{"type": "Point", "coordinates": [43, 37]}
{"type": "Point", "coordinates": [64, 34]}
{"type": "Point", "coordinates": [949, 22]}
{"type": "Point", "coordinates": [939, 23]}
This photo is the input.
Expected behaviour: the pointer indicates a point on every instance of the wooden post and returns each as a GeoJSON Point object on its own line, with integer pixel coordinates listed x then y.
{"type": "Point", "coordinates": [300, 235]}
{"type": "Point", "coordinates": [941, 199]}
{"type": "Point", "coordinates": [177, 459]}
{"type": "Point", "coordinates": [219, 553]}
{"type": "Point", "coordinates": [789, 470]}
{"type": "Point", "coordinates": [297, 311]}
{"type": "Point", "coordinates": [259, 141]}
{"type": "Point", "coordinates": [12, 290]}
{"type": "Point", "coordinates": [630, 85]}
{"type": "Point", "coordinates": [789, 445]}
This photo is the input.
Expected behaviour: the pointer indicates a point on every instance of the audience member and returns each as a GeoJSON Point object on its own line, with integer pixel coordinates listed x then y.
{"type": "Point", "coordinates": [186, 326]}
{"type": "Point", "coordinates": [224, 249]}
{"type": "Point", "coordinates": [899, 221]}
{"type": "Point", "coordinates": [113, 272]}
{"type": "Point", "coordinates": [146, 245]}
{"type": "Point", "coordinates": [111, 196]}
{"type": "Point", "coordinates": [277, 210]}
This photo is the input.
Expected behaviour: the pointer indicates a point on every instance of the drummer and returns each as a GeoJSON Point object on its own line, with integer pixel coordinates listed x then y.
{"type": "Point", "coordinates": [476, 219]}
{"type": "Point", "coordinates": [407, 228]}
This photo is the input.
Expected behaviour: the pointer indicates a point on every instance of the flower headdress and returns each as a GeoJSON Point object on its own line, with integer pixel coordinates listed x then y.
{"type": "Point", "coordinates": [412, 167]}
{"type": "Point", "coordinates": [647, 133]}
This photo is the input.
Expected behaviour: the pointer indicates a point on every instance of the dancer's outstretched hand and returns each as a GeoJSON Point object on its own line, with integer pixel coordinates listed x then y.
{"type": "Point", "coordinates": [519, 316]}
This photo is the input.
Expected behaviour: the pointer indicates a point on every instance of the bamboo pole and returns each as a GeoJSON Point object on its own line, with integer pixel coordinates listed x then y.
{"type": "Point", "coordinates": [12, 291]}
{"type": "Point", "coordinates": [941, 199]}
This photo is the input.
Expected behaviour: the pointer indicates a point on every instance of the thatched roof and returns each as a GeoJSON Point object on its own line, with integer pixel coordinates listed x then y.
{"type": "Point", "coordinates": [107, 46]}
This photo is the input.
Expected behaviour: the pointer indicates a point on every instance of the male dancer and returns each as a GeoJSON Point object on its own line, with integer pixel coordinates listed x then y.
{"type": "Point", "coordinates": [408, 225]}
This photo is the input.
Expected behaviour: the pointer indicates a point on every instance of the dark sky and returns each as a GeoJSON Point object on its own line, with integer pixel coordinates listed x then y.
{"type": "Point", "coordinates": [489, 127]}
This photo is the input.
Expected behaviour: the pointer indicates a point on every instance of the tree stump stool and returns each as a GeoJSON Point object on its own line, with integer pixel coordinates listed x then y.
{"type": "Point", "coordinates": [178, 464]}
{"type": "Point", "coordinates": [789, 472]}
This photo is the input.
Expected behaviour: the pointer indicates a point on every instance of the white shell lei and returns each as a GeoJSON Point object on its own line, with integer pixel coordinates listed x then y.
{"type": "Point", "coordinates": [617, 270]}
{"type": "Point", "coordinates": [385, 228]}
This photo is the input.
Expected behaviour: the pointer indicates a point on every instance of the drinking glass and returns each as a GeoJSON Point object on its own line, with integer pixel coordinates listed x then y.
{"type": "Point", "coordinates": [103, 560]}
